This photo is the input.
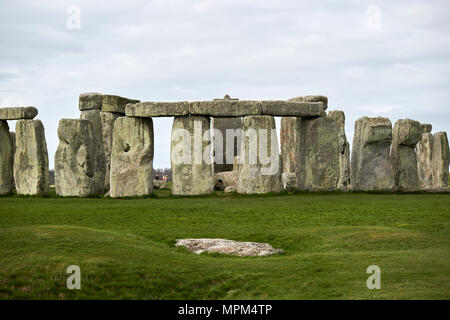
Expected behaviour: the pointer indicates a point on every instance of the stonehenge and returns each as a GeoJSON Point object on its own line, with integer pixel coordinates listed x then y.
{"type": "Point", "coordinates": [224, 144]}
{"type": "Point", "coordinates": [75, 158]}
{"type": "Point", "coordinates": [370, 164]}
{"type": "Point", "coordinates": [31, 158]}
{"type": "Point", "coordinates": [132, 157]}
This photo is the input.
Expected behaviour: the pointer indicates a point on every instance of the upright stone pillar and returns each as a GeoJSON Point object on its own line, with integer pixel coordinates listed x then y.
{"type": "Point", "coordinates": [108, 119]}
{"type": "Point", "coordinates": [371, 162]}
{"type": "Point", "coordinates": [227, 143]}
{"type": "Point", "coordinates": [93, 115]}
{"type": "Point", "coordinates": [344, 149]}
{"type": "Point", "coordinates": [405, 135]}
{"type": "Point", "coordinates": [132, 157]}
{"type": "Point", "coordinates": [31, 158]}
{"type": "Point", "coordinates": [260, 168]}
{"type": "Point", "coordinates": [192, 170]}
{"type": "Point", "coordinates": [290, 134]}
{"type": "Point", "coordinates": [319, 153]}
{"type": "Point", "coordinates": [6, 159]}
{"type": "Point", "coordinates": [424, 154]}
{"type": "Point", "coordinates": [441, 158]}
{"type": "Point", "coordinates": [75, 158]}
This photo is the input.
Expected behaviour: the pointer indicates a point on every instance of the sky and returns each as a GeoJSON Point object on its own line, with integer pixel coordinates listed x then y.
{"type": "Point", "coordinates": [370, 58]}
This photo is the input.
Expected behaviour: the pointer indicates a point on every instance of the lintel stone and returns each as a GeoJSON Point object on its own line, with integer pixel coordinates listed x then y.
{"type": "Point", "coordinates": [18, 113]}
{"type": "Point", "coordinates": [157, 109]}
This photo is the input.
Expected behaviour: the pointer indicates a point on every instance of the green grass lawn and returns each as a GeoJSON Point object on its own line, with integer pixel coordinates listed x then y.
{"type": "Point", "coordinates": [125, 248]}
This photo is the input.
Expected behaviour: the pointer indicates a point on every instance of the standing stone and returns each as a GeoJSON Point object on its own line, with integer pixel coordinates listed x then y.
{"type": "Point", "coordinates": [75, 158]}
{"type": "Point", "coordinates": [344, 149]}
{"type": "Point", "coordinates": [227, 144]}
{"type": "Point", "coordinates": [31, 158]}
{"type": "Point", "coordinates": [371, 164]}
{"type": "Point", "coordinates": [192, 170]}
{"type": "Point", "coordinates": [405, 135]}
{"type": "Point", "coordinates": [6, 159]}
{"type": "Point", "coordinates": [290, 146]}
{"type": "Point", "coordinates": [108, 119]}
{"type": "Point", "coordinates": [424, 154]}
{"type": "Point", "coordinates": [319, 154]}
{"type": "Point", "coordinates": [441, 157]}
{"type": "Point", "coordinates": [93, 115]}
{"type": "Point", "coordinates": [260, 170]}
{"type": "Point", "coordinates": [132, 157]}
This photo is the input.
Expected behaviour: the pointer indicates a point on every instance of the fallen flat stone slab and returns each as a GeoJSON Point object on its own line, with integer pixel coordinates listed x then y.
{"type": "Point", "coordinates": [18, 113]}
{"type": "Point", "coordinates": [225, 108]}
{"type": "Point", "coordinates": [117, 104]}
{"type": "Point", "coordinates": [89, 101]}
{"type": "Point", "coordinates": [157, 109]}
{"type": "Point", "coordinates": [231, 247]}
{"type": "Point", "coordinates": [292, 108]}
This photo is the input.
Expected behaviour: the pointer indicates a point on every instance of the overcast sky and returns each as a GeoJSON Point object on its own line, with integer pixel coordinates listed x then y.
{"type": "Point", "coordinates": [374, 58]}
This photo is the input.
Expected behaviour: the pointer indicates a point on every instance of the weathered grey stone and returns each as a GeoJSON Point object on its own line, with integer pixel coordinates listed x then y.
{"type": "Point", "coordinates": [319, 154]}
{"type": "Point", "coordinates": [344, 149]}
{"type": "Point", "coordinates": [424, 154]}
{"type": "Point", "coordinates": [225, 179]}
{"type": "Point", "coordinates": [190, 152]}
{"type": "Point", "coordinates": [230, 189]}
{"type": "Point", "coordinates": [291, 147]}
{"type": "Point", "coordinates": [89, 101]}
{"type": "Point", "coordinates": [312, 98]}
{"type": "Point", "coordinates": [31, 158]}
{"type": "Point", "coordinates": [6, 159]}
{"type": "Point", "coordinates": [93, 115]}
{"type": "Point", "coordinates": [292, 108]}
{"type": "Point", "coordinates": [132, 157]}
{"type": "Point", "coordinates": [112, 103]}
{"type": "Point", "coordinates": [108, 119]}
{"type": "Point", "coordinates": [441, 158]}
{"type": "Point", "coordinates": [157, 109]}
{"type": "Point", "coordinates": [226, 134]}
{"type": "Point", "coordinates": [17, 113]}
{"type": "Point", "coordinates": [426, 127]}
{"type": "Point", "coordinates": [75, 158]}
{"type": "Point", "coordinates": [371, 164]}
{"type": "Point", "coordinates": [290, 181]}
{"type": "Point", "coordinates": [405, 135]}
{"type": "Point", "coordinates": [242, 249]}
{"type": "Point", "coordinates": [259, 170]}
{"type": "Point", "coordinates": [225, 108]}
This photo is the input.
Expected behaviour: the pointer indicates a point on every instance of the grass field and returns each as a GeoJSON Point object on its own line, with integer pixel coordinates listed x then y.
{"type": "Point", "coordinates": [125, 248]}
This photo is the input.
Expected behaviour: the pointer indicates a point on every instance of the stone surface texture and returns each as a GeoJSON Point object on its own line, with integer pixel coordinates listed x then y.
{"type": "Point", "coordinates": [259, 170]}
{"type": "Point", "coordinates": [132, 157]}
{"type": "Point", "coordinates": [75, 158]}
{"type": "Point", "coordinates": [108, 119]}
{"type": "Point", "coordinates": [441, 158]}
{"type": "Point", "coordinates": [191, 173]}
{"type": "Point", "coordinates": [93, 115]}
{"type": "Point", "coordinates": [371, 165]}
{"type": "Point", "coordinates": [224, 142]}
{"type": "Point", "coordinates": [31, 175]}
{"type": "Point", "coordinates": [405, 135]}
{"type": "Point", "coordinates": [223, 246]}
{"type": "Point", "coordinates": [344, 149]}
{"type": "Point", "coordinates": [6, 159]}
{"type": "Point", "coordinates": [17, 113]}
